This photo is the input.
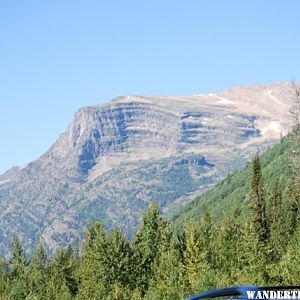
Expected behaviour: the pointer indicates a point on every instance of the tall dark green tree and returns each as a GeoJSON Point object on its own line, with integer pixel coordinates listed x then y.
{"type": "Point", "coordinates": [61, 276]}
{"type": "Point", "coordinates": [38, 274]}
{"type": "Point", "coordinates": [257, 198]}
{"type": "Point", "coordinates": [291, 206]}
{"type": "Point", "coordinates": [277, 216]}
{"type": "Point", "coordinates": [19, 272]}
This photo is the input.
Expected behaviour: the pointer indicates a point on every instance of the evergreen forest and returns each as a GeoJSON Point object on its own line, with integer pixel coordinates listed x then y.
{"type": "Point", "coordinates": [245, 231]}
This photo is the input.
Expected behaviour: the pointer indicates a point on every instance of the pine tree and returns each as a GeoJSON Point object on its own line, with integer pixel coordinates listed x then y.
{"type": "Point", "coordinates": [168, 280]}
{"type": "Point", "coordinates": [252, 257]}
{"type": "Point", "coordinates": [288, 270]}
{"type": "Point", "coordinates": [195, 254]}
{"type": "Point", "coordinates": [258, 200]}
{"type": "Point", "coordinates": [118, 262]}
{"type": "Point", "coordinates": [291, 206]}
{"type": "Point", "coordinates": [145, 246]}
{"type": "Point", "coordinates": [4, 279]}
{"type": "Point", "coordinates": [198, 256]}
{"type": "Point", "coordinates": [38, 274]}
{"type": "Point", "coordinates": [277, 223]}
{"type": "Point", "coordinates": [94, 283]}
{"type": "Point", "coordinates": [61, 275]}
{"type": "Point", "coordinates": [19, 273]}
{"type": "Point", "coordinates": [227, 248]}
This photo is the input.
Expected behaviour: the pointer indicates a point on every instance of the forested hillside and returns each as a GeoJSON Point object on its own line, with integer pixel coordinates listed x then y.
{"type": "Point", "coordinates": [276, 168]}
{"type": "Point", "coordinates": [255, 243]}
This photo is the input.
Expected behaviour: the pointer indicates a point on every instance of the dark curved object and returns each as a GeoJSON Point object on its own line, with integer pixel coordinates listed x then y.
{"type": "Point", "coordinates": [239, 292]}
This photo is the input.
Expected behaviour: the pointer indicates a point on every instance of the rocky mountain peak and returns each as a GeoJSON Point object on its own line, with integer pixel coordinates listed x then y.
{"type": "Point", "coordinates": [116, 158]}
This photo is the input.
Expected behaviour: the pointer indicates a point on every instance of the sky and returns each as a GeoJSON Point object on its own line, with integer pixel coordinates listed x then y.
{"type": "Point", "coordinates": [59, 55]}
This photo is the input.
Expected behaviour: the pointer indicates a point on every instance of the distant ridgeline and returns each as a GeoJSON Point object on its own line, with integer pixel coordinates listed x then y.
{"type": "Point", "coordinates": [255, 241]}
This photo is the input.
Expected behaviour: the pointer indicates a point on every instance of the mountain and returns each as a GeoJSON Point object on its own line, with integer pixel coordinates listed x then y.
{"type": "Point", "coordinates": [114, 159]}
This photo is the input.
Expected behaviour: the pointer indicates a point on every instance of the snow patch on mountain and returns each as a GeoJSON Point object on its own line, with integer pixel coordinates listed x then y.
{"type": "Point", "coordinates": [273, 98]}
{"type": "Point", "coordinates": [272, 126]}
{"type": "Point", "coordinates": [221, 100]}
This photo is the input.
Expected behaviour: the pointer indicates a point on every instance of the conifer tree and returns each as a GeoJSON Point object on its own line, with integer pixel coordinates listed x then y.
{"type": "Point", "coordinates": [258, 200]}
{"type": "Point", "coordinates": [118, 262]}
{"type": "Point", "coordinates": [4, 279]}
{"type": "Point", "coordinates": [94, 282]}
{"type": "Point", "coordinates": [38, 273]}
{"type": "Point", "coordinates": [17, 260]}
{"type": "Point", "coordinates": [168, 280]}
{"type": "Point", "coordinates": [145, 246]}
{"type": "Point", "coordinates": [195, 254]}
{"type": "Point", "coordinates": [288, 270]}
{"type": "Point", "coordinates": [61, 276]}
{"type": "Point", "coordinates": [277, 217]}
{"type": "Point", "coordinates": [18, 274]}
{"type": "Point", "coordinates": [207, 231]}
{"type": "Point", "coordinates": [252, 257]}
{"type": "Point", "coordinates": [198, 254]}
{"type": "Point", "coordinates": [227, 248]}
{"type": "Point", "coordinates": [291, 206]}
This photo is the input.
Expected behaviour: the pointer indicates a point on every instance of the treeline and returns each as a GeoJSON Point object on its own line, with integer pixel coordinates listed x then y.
{"type": "Point", "coordinates": [261, 247]}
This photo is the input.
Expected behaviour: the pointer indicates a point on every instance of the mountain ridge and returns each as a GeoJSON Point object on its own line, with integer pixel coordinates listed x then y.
{"type": "Point", "coordinates": [122, 99]}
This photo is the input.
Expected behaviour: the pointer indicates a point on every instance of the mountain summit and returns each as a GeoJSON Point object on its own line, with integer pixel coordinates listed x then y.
{"type": "Point", "coordinates": [114, 159]}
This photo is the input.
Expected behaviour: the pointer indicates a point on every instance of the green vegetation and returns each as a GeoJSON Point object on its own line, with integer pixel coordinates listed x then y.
{"type": "Point", "coordinates": [234, 190]}
{"type": "Point", "coordinates": [244, 231]}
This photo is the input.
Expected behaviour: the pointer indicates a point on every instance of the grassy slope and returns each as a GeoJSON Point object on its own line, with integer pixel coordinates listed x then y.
{"type": "Point", "coordinates": [235, 188]}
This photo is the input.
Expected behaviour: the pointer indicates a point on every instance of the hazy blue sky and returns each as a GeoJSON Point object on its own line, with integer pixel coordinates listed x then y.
{"type": "Point", "coordinates": [56, 56]}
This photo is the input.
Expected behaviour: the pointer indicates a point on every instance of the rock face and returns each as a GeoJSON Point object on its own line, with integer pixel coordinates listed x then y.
{"type": "Point", "coordinates": [114, 159]}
